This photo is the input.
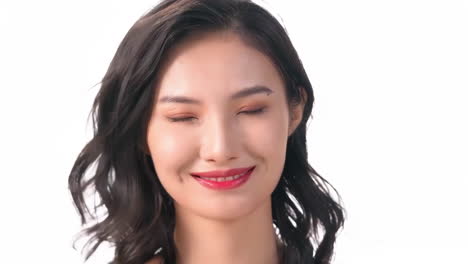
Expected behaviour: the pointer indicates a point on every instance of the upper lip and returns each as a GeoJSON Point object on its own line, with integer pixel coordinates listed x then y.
{"type": "Point", "coordinates": [222, 173]}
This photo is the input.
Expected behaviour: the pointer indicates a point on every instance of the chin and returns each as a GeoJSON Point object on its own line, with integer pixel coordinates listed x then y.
{"type": "Point", "coordinates": [231, 209]}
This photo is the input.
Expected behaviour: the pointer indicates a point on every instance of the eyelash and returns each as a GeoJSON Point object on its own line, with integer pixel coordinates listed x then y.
{"type": "Point", "coordinates": [252, 112]}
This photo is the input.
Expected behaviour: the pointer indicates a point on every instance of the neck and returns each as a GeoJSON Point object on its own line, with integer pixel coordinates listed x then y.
{"type": "Point", "coordinates": [250, 239]}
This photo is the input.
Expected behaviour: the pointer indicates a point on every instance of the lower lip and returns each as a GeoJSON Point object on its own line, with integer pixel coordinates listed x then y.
{"type": "Point", "coordinates": [225, 184]}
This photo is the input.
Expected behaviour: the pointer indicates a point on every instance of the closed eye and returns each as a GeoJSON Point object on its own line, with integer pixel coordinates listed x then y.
{"type": "Point", "coordinates": [190, 118]}
{"type": "Point", "coordinates": [253, 112]}
{"type": "Point", "coordinates": [181, 119]}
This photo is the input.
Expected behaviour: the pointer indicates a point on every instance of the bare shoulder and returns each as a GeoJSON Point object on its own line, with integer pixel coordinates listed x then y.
{"type": "Point", "coordinates": [155, 260]}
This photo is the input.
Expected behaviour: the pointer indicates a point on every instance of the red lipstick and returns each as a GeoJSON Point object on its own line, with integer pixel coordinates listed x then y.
{"type": "Point", "coordinates": [219, 179]}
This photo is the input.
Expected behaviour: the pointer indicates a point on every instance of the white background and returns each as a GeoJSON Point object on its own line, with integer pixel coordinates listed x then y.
{"type": "Point", "coordinates": [389, 126]}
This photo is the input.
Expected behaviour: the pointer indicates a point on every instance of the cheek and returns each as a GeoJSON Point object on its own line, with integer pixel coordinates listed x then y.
{"type": "Point", "coordinates": [269, 134]}
{"type": "Point", "coordinates": [169, 150]}
{"type": "Point", "coordinates": [266, 142]}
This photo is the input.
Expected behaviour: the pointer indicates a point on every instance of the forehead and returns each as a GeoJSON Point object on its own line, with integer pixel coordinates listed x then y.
{"type": "Point", "coordinates": [216, 64]}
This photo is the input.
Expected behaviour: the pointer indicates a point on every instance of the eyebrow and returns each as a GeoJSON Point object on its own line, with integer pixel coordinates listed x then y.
{"type": "Point", "coordinates": [256, 89]}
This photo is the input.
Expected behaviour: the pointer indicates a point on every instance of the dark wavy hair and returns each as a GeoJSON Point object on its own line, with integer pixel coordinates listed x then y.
{"type": "Point", "coordinates": [116, 165]}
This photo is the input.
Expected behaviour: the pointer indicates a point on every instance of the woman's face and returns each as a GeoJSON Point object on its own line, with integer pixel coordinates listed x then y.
{"type": "Point", "coordinates": [210, 128]}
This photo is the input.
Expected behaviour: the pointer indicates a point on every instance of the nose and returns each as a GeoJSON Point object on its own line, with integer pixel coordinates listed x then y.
{"type": "Point", "coordinates": [221, 141]}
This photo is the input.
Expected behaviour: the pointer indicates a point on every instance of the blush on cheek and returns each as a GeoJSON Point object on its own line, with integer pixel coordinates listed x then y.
{"type": "Point", "coordinates": [266, 134]}
{"type": "Point", "coordinates": [171, 150]}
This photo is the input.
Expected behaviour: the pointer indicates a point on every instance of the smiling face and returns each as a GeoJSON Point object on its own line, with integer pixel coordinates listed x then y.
{"type": "Point", "coordinates": [219, 105]}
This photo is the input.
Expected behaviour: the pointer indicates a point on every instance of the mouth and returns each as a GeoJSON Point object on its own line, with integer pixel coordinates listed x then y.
{"type": "Point", "coordinates": [223, 173]}
{"type": "Point", "coordinates": [228, 182]}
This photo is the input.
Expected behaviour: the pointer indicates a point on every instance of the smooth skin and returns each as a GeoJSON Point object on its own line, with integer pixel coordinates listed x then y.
{"type": "Point", "coordinates": [211, 129]}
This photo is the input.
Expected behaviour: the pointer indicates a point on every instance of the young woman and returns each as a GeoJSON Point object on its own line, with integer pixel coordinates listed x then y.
{"type": "Point", "coordinates": [199, 152]}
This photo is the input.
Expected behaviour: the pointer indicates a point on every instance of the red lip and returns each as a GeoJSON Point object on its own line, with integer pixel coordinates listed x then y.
{"type": "Point", "coordinates": [227, 184]}
{"type": "Point", "coordinates": [219, 173]}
